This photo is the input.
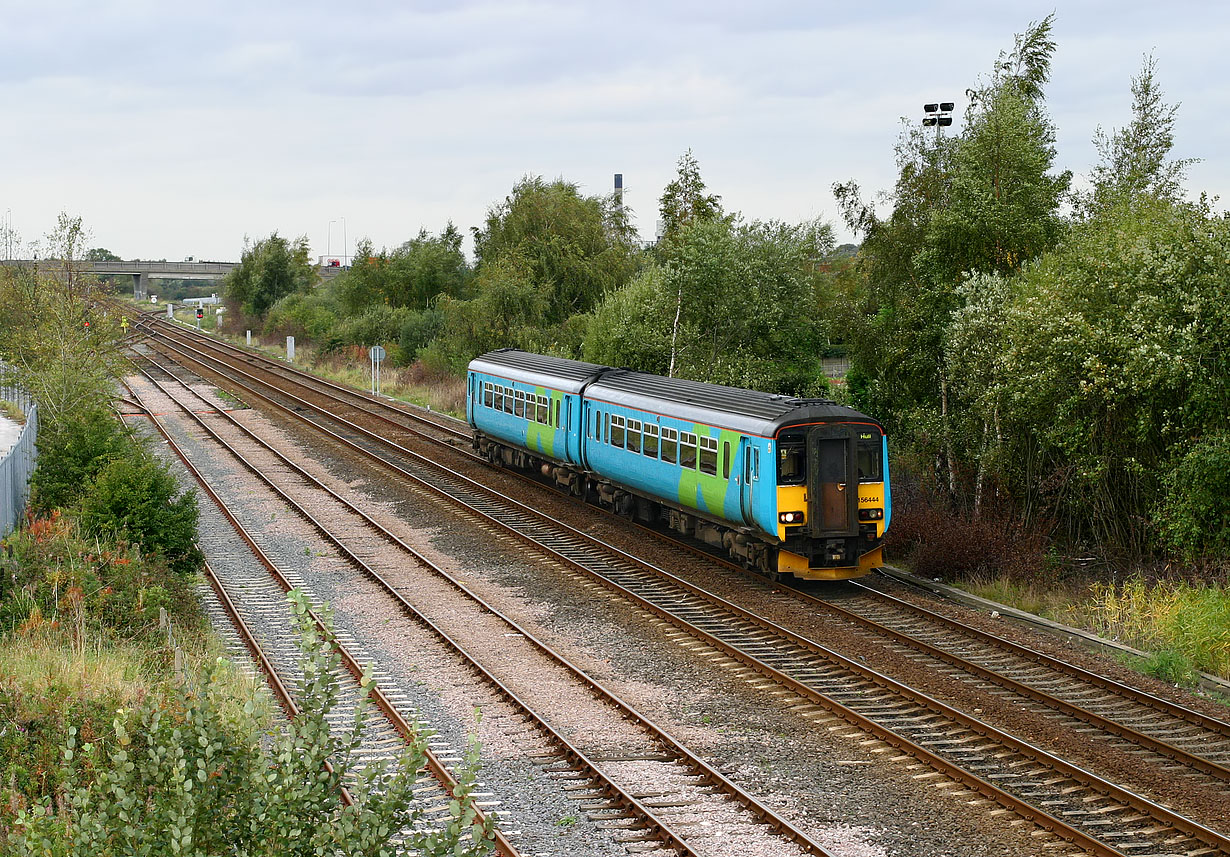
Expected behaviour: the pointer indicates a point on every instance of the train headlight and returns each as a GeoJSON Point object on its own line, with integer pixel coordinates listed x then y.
{"type": "Point", "coordinates": [790, 517]}
{"type": "Point", "coordinates": [871, 514]}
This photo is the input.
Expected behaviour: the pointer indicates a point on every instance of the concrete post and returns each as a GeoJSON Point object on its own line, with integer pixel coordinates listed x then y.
{"type": "Point", "coordinates": [290, 349]}
{"type": "Point", "coordinates": [249, 339]}
{"type": "Point", "coordinates": [170, 307]}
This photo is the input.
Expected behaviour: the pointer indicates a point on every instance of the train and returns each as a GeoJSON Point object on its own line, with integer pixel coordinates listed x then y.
{"type": "Point", "coordinates": [788, 487]}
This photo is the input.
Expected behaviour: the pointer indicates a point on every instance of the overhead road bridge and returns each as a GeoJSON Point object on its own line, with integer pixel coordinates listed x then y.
{"type": "Point", "coordinates": [142, 272]}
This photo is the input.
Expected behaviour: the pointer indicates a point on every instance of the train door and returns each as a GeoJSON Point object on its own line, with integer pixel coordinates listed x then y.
{"type": "Point", "coordinates": [749, 477]}
{"type": "Point", "coordinates": [832, 484]}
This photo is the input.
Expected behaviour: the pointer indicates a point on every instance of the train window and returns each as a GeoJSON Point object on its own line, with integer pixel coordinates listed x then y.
{"type": "Point", "coordinates": [617, 431]}
{"type": "Point", "coordinates": [651, 440]}
{"type": "Point", "coordinates": [791, 462]}
{"type": "Point", "coordinates": [541, 410]}
{"type": "Point", "coordinates": [870, 460]}
{"type": "Point", "coordinates": [687, 450]}
{"type": "Point", "coordinates": [708, 455]}
{"type": "Point", "coordinates": [519, 403]}
{"type": "Point", "coordinates": [756, 465]}
{"type": "Point", "coordinates": [670, 444]}
{"type": "Point", "coordinates": [488, 394]}
{"type": "Point", "coordinates": [499, 399]}
{"type": "Point", "coordinates": [557, 404]}
{"type": "Point", "coordinates": [606, 426]}
{"type": "Point", "coordinates": [634, 435]}
{"type": "Point", "coordinates": [726, 459]}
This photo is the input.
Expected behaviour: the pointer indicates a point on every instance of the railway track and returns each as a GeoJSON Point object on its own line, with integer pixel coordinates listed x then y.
{"type": "Point", "coordinates": [657, 789]}
{"type": "Point", "coordinates": [259, 627]}
{"type": "Point", "coordinates": [1096, 801]}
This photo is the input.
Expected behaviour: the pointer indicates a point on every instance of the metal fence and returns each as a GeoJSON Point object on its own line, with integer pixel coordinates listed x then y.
{"type": "Point", "coordinates": [17, 464]}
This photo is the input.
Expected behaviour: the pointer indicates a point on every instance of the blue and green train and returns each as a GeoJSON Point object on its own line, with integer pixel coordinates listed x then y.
{"type": "Point", "coordinates": [786, 486]}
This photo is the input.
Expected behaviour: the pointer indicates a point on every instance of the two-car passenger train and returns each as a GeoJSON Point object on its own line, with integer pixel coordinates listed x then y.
{"type": "Point", "coordinates": [784, 485]}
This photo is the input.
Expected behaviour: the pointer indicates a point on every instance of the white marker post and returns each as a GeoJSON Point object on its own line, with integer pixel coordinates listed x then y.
{"type": "Point", "coordinates": [377, 354]}
{"type": "Point", "coordinates": [290, 349]}
{"type": "Point", "coordinates": [249, 339]}
{"type": "Point", "coordinates": [170, 310]}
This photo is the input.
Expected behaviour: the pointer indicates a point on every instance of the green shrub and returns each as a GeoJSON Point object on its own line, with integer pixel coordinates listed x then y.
{"type": "Point", "coordinates": [208, 782]}
{"type": "Point", "coordinates": [71, 452]}
{"type": "Point", "coordinates": [138, 499]}
{"type": "Point", "coordinates": [419, 328]}
{"type": "Point", "coordinates": [1194, 514]}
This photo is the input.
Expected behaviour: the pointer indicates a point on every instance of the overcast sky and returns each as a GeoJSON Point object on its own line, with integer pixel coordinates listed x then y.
{"type": "Point", "coordinates": [178, 129]}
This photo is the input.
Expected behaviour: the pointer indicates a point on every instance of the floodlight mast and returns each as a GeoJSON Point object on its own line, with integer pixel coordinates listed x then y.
{"type": "Point", "coordinates": [939, 115]}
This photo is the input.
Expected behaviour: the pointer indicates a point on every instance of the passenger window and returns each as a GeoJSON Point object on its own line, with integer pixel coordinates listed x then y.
{"type": "Point", "coordinates": [499, 399]}
{"type": "Point", "coordinates": [606, 426]}
{"type": "Point", "coordinates": [558, 404]}
{"type": "Point", "coordinates": [687, 450]}
{"type": "Point", "coordinates": [519, 403]}
{"type": "Point", "coordinates": [488, 394]}
{"type": "Point", "coordinates": [756, 465]}
{"type": "Point", "coordinates": [708, 455]}
{"type": "Point", "coordinates": [617, 431]}
{"type": "Point", "coordinates": [669, 444]}
{"type": "Point", "coordinates": [541, 411]}
{"type": "Point", "coordinates": [634, 435]}
{"type": "Point", "coordinates": [651, 440]}
{"type": "Point", "coordinates": [726, 459]}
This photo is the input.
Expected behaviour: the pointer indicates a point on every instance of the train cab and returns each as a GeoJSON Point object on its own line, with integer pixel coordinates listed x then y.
{"type": "Point", "coordinates": [832, 499]}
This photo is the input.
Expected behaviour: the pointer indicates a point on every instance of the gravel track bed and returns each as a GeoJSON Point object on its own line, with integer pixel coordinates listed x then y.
{"type": "Point", "coordinates": [264, 608]}
{"type": "Point", "coordinates": [791, 753]}
{"type": "Point", "coordinates": [597, 728]}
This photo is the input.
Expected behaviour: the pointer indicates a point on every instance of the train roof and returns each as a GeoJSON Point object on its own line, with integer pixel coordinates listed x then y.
{"type": "Point", "coordinates": [568, 376]}
{"type": "Point", "coordinates": [729, 407]}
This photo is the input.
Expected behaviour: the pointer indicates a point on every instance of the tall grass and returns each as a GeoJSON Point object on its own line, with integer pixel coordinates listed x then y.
{"type": "Point", "coordinates": [1167, 618]}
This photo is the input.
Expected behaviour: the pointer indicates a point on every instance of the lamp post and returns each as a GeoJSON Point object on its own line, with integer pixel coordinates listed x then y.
{"type": "Point", "coordinates": [329, 240]}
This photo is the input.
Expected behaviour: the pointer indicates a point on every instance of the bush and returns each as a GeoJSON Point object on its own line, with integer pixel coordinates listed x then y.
{"type": "Point", "coordinates": [1194, 513]}
{"type": "Point", "coordinates": [418, 329]}
{"type": "Point", "coordinates": [208, 782]}
{"type": "Point", "coordinates": [71, 452]}
{"type": "Point", "coordinates": [138, 499]}
{"type": "Point", "coordinates": [304, 315]}
{"type": "Point", "coordinates": [376, 326]}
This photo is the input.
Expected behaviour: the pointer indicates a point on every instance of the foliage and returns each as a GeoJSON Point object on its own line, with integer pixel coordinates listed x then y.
{"type": "Point", "coordinates": [1194, 510]}
{"type": "Point", "coordinates": [56, 576]}
{"type": "Point", "coordinates": [304, 314]}
{"type": "Point", "coordinates": [101, 254]}
{"type": "Point", "coordinates": [684, 198]}
{"type": "Point", "coordinates": [72, 450]}
{"type": "Point", "coordinates": [377, 325]}
{"type": "Point", "coordinates": [136, 498]}
{"type": "Point", "coordinates": [571, 250]}
{"type": "Point", "coordinates": [729, 306]}
{"type": "Point", "coordinates": [413, 275]}
{"type": "Point", "coordinates": [1135, 159]}
{"type": "Point", "coordinates": [1190, 620]}
{"type": "Point", "coordinates": [54, 339]}
{"type": "Point", "coordinates": [267, 271]}
{"type": "Point", "coordinates": [419, 329]}
{"type": "Point", "coordinates": [207, 782]}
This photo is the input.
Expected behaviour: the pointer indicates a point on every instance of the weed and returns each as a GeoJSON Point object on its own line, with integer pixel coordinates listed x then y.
{"type": "Point", "coordinates": [10, 411]}
{"type": "Point", "coordinates": [566, 821]}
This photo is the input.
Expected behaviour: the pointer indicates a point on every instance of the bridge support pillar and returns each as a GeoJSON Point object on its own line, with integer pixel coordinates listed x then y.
{"type": "Point", "coordinates": [139, 285]}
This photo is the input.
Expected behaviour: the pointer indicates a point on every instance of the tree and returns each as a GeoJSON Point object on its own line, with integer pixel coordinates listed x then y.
{"type": "Point", "coordinates": [101, 254]}
{"type": "Point", "coordinates": [684, 198]}
{"type": "Point", "coordinates": [267, 271]}
{"type": "Point", "coordinates": [729, 305]}
{"type": "Point", "coordinates": [413, 275]}
{"type": "Point", "coordinates": [573, 248]}
{"type": "Point", "coordinates": [1134, 159]}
